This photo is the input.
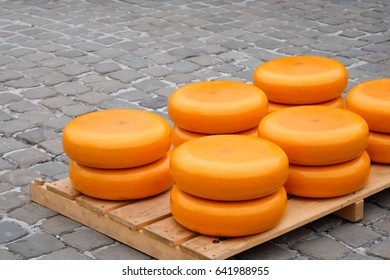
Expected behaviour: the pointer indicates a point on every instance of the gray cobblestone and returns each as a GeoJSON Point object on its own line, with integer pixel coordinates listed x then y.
{"type": "Point", "coordinates": [12, 126]}
{"type": "Point", "coordinates": [12, 200]}
{"type": "Point", "coordinates": [39, 93]}
{"type": "Point", "coordinates": [35, 245]}
{"type": "Point", "coordinates": [10, 231]}
{"type": "Point", "coordinates": [28, 157]}
{"type": "Point", "coordinates": [50, 169]}
{"type": "Point", "coordinates": [57, 102]}
{"type": "Point", "coordinates": [86, 239]}
{"type": "Point", "coordinates": [72, 88]}
{"type": "Point", "coordinates": [31, 213]}
{"type": "Point", "coordinates": [59, 225]}
{"type": "Point", "coordinates": [381, 250]}
{"type": "Point", "coordinates": [267, 251]}
{"type": "Point", "coordinates": [322, 248]}
{"type": "Point", "coordinates": [119, 252]}
{"type": "Point", "coordinates": [37, 135]}
{"type": "Point", "coordinates": [65, 254]}
{"type": "Point", "coordinates": [354, 235]}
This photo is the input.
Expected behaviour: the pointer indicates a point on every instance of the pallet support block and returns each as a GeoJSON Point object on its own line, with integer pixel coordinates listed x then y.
{"type": "Point", "coordinates": [148, 226]}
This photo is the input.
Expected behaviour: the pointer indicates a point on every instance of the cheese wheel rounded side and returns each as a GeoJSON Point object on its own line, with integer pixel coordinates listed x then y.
{"type": "Point", "coordinates": [229, 167]}
{"type": "Point", "coordinates": [217, 107]}
{"type": "Point", "coordinates": [117, 138]}
{"type": "Point", "coordinates": [122, 184]}
{"type": "Point", "coordinates": [338, 102]}
{"type": "Point", "coordinates": [301, 79]}
{"type": "Point", "coordinates": [180, 136]}
{"type": "Point", "coordinates": [222, 218]}
{"type": "Point", "coordinates": [379, 147]}
{"type": "Point", "coordinates": [316, 135]}
{"type": "Point", "coordinates": [371, 100]}
{"type": "Point", "coordinates": [329, 180]}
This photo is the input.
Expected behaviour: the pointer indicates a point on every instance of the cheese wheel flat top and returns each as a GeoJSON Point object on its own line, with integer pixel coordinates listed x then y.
{"type": "Point", "coordinates": [217, 106]}
{"type": "Point", "coordinates": [371, 100]}
{"type": "Point", "coordinates": [328, 180]}
{"type": "Point", "coordinates": [228, 218]}
{"type": "Point", "coordinates": [379, 147]}
{"type": "Point", "coordinates": [229, 167]}
{"type": "Point", "coordinates": [117, 138]}
{"type": "Point", "coordinates": [316, 135]}
{"type": "Point", "coordinates": [122, 184]}
{"type": "Point", "coordinates": [301, 79]}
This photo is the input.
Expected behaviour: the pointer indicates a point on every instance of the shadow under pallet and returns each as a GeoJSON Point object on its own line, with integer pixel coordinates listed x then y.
{"type": "Point", "coordinates": [148, 226]}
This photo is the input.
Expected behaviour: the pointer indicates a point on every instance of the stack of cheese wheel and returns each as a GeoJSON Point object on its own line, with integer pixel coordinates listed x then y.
{"type": "Point", "coordinates": [325, 147]}
{"type": "Point", "coordinates": [215, 107]}
{"type": "Point", "coordinates": [302, 80]}
{"type": "Point", "coordinates": [371, 100]}
{"type": "Point", "coordinates": [228, 185]}
{"type": "Point", "coordinates": [118, 154]}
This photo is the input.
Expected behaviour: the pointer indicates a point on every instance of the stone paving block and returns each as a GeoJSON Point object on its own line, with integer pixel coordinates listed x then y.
{"type": "Point", "coordinates": [74, 69]}
{"type": "Point", "coordinates": [37, 135]}
{"type": "Point", "coordinates": [358, 256]}
{"type": "Point", "coordinates": [119, 251]}
{"type": "Point", "coordinates": [19, 177]}
{"type": "Point", "coordinates": [57, 102]}
{"type": "Point", "coordinates": [93, 97]}
{"type": "Point", "coordinates": [31, 213]}
{"type": "Point", "coordinates": [157, 71]}
{"type": "Point", "coordinates": [324, 224]}
{"type": "Point", "coordinates": [23, 106]}
{"type": "Point", "coordinates": [126, 75]}
{"type": "Point", "coordinates": [354, 235]}
{"type": "Point", "coordinates": [12, 126]}
{"type": "Point", "coordinates": [4, 187]}
{"type": "Point", "coordinates": [65, 254]}
{"type": "Point", "coordinates": [56, 123]}
{"type": "Point", "coordinates": [118, 104]}
{"type": "Point", "coordinates": [372, 213]}
{"type": "Point", "coordinates": [150, 84]}
{"type": "Point", "coordinates": [155, 103]}
{"type": "Point", "coordinates": [54, 78]}
{"type": "Point", "coordinates": [383, 225]}
{"type": "Point", "coordinates": [75, 110]}
{"type": "Point", "coordinates": [35, 117]}
{"type": "Point", "coordinates": [185, 52]}
{"type": "Point", "coordinates": [72, 88]}
{"type": "Point", "coordinates": [59, 224]}
{"type": "Point", "coordinates": [8, 97]}
{"type": "Point", "coordinates": [322, 248]}
{"type": "Point", "coordinates": [6, 76]}
{"type": "Point", "coordinates": [184, 67]}
{"type": "Point", "coordinates": [134, 95]}
{"type": "Point", "coordinates": [88, 46]}
{"type": "Point", "coordinates": [55, 62]}
{"type": "Point", "coordinates": [381, 250]}
{"type": "Point", "coordinates": [267, 251]}
{"type": "Point", "coordinates": [5, 116]}
{"type": "Point", "coordinates": [39, 93]}
{"type": "Point", "coordinates": [50, 169]}
{"type": "Point", "coordinates": [86, 239]}
{"type": "Point", "coordinates": [12, 200]}
{"type": "Point", "coordinates": [6, 255]}
{"type": "Point", "coordinates": [10, 231]}
{"type": "Point", "coordinates": [108, 86]}
{"type": "Point", "coordinates": [22, 83]}
{"type": "Point", "coordinates": [382, 199]}
{"type": "Point", "coordinates": [133, 61]}
{"type": "Point", "coordinates": [297, 235]}
{"type": "Point", "coordinates": [35, 245]}
{"type": "Point", "coordinates": [106, 67]}
{"type": "Point", "coordinates": [28, 157]}
{"type": "Point", "coordinates": [5, 165]}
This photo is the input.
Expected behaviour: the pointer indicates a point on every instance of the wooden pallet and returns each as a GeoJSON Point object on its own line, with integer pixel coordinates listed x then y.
{"type": "Point", "coordinates": [147, 224]}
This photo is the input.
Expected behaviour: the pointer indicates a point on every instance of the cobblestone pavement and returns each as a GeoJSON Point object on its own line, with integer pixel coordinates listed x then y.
{"type": "Point", "coordinates": [61, 59]}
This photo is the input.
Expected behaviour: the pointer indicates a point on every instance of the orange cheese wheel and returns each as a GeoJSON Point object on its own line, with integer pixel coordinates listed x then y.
{"type": "Point", "coordinates": [316, 135]}
{"type": "Point", "coordinates": [328, 180]}
{"type": "Point", "coordinates": [228, 218]}
{"type": "Point", "coordinates": [338, 102]}
{"type": "Point", "coordinates": [379, 147]}
{"type": "Point", "coordinates": [118, 138]}
{"type": "Point", "coordinates": [301, 79]}
{"type": "Point", "coordinates": [122, 184]}
{"type": "Point", "coordinates": [371, 100]}
{"type": "Point", "coordinates": [217, 107]}
{"type": "Point", "coordinates": [179, 135]}
{"type": "Point", "coordinates": [229, 167]}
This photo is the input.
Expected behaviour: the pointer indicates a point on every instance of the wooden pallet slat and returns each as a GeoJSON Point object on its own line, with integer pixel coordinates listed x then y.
{"type": "Point", "coordinates": [147, 224]}
{"type": "Point", "coordinates": [169, 231]}
{"type": "Point", "coordinates": [143, 212]}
